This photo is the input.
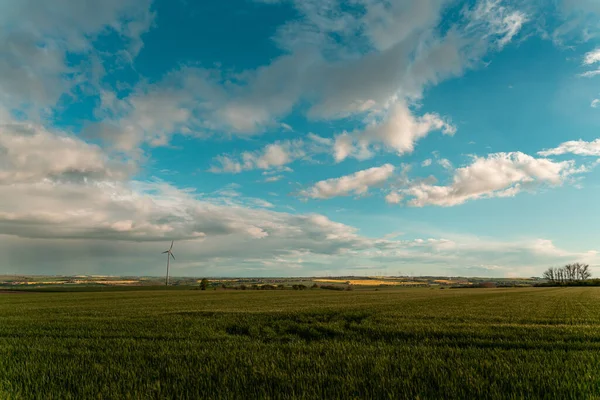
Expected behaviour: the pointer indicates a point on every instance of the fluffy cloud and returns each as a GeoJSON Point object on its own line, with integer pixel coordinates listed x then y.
{"type": "Point", "coordinates": [56, 187]}
{"type": "Point", "coordinates": [393, 198]}
{"type": "Point", "coordinates": [578, 147]}
{"type": "Point", "coordinates": [356, 183]}
{"type": "Point", "coordinates": [30, 153]}
{"type": "Point", "coordinates": [497, 175]}
{"type": "Point", "coordinates": [156, 211]}
{"type": "Point", "coordinates": [398, 131]}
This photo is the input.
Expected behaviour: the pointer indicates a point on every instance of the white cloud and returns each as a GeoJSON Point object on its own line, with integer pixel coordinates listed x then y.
{"type": "Point", "coordinates": [152, 113]}
{"type": "Point", "coordinates": [274, 178]}
{"type": "Point", "coordinates": [393, 198]}
{"type": "Point", "coordinates": [36, 36]}
{"type": "Point", "coordinates": [319, 139]}
{"type": "Point", "coordinates": [497, 175]}
{"type": "Point", "coordinates": [141, 211]}
{"type": "Point", "coordinates": [398, 131]}
{"type": "Point", "coordinates": [357, 183]}
{"type": "Point", "coordinates": [272, 156]}
{"type": "Point", "coordinates": [40, 198]}
{"type": "Point", "coordinates": [592, 57]}
{"type": "Point", "coordinates": [496, 21]}
{"type": "Point", "coordinates": [55, 186]}
{"type": "Point", "coordinates": [595, 103]}
{"type": "Point", "coordinates": [590, 74]}
{"type": "Point", "coordinates": [578, 147]}
{"type": "Point", "coordinates": [30, 153]}
{"type": "Point", "coordinates": [287, 127]}
{"type": "Point", "coordinates": [345, 146]}
{"type": "Point", "coordinates": [426, 163]}
{"type": "Point", "coordinates": [445, 163]}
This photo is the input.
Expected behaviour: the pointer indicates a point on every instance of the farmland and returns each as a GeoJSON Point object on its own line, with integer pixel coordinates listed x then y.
{"type": "Point", "coordinates": [398, 342]}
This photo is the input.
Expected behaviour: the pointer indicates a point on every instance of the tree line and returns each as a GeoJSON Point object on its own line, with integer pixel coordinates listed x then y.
{"type": "Point", "coordinates": [568, 273]}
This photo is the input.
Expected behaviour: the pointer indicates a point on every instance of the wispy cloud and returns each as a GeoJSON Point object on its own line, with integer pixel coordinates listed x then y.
{"type": "Point", "coordinates": [577, 147]}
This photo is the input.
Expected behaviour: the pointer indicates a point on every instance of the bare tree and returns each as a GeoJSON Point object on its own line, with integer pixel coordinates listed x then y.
{"type": "Point", "coordinates": [568, 270]}
{"type": "Point", "coordinates": [585, 271]}
{"type": "Point", "coordinates": [570, 273]}
{"type": "Point", "coordinates": [549, 275]}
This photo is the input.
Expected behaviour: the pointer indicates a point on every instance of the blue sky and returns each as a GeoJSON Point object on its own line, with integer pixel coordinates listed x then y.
{"type": "Point", "coordinates": [299, 137]}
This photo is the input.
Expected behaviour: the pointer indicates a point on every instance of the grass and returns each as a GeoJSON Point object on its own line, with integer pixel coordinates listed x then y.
{"type": "Point", "coordinates": [400, 343]}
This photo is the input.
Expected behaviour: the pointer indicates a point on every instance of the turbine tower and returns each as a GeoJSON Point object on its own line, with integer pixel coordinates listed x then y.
{"type": "Point", "coordinates": [169, 254]}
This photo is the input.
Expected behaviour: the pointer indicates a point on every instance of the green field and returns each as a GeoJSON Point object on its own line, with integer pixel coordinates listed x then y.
{"type": "Point", "coordinates": [405, 343]}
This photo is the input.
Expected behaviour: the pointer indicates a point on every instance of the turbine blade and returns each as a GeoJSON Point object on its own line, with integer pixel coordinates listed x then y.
{"type": "Point", "coordinates": [164, 252]}
{"type": "Point", "coordinates": [172, 255]}
{"type": "Point", "coordinates": [171, 248]}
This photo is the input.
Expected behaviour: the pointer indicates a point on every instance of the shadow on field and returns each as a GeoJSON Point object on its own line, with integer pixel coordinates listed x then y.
{"type": "Point", "coordinates": [365, 327]}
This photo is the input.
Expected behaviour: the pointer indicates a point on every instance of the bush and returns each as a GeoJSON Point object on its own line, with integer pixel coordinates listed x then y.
{"type": "Point", "coordinates": [203, 284]}
{"type": "Point", "coordinates": [332, 287]}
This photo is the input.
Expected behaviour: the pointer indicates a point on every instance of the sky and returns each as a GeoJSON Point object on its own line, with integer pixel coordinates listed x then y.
{"type": "Point", "coordinates": [299, 137]}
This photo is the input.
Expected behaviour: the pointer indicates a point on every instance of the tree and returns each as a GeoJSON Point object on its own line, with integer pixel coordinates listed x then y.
{"type": "Point", "coordinates": [568, 273]}
{"type": "Point", "coordinates": [203, 284]}
{"type": "Point", "coordinates": [549, 275]}
{"type": "Point", "coordinates": [584, 271]}
{"type": "Point", "coordinates": [560, 275]}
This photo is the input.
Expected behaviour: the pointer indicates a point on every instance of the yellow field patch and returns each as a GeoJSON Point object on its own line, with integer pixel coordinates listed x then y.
{"type": "Point", "coordinates": [447, 281]}
{"type": "Point", "coordinates": [369, 282]}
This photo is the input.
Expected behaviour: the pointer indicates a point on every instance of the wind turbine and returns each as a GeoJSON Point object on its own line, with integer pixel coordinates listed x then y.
{"type": "Point", "coordinates": [168, 253]}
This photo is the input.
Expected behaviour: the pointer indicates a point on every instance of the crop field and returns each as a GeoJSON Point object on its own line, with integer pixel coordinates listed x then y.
{"type": "Point", "coordinates": [393, 343]}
